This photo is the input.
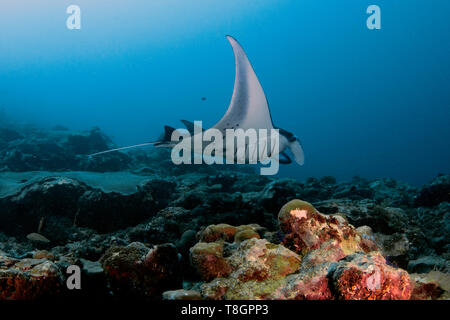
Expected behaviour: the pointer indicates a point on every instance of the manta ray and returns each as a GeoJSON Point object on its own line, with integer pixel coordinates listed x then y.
{"type": "Point", "coordinates": [248, 109]}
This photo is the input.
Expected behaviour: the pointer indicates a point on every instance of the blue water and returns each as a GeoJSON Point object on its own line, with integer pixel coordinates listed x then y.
{"type": "Point", "coordinates": [374, 103]}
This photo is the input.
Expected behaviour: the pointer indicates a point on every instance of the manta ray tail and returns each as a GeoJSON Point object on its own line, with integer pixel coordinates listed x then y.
{"type": "Point", "coordinates": [163, 140]}
{"type": "Point", "coordinates": [122, 148]}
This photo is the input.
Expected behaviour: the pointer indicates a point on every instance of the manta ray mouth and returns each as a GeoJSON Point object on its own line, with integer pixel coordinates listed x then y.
{"type": "Point", "coordinates": [284, 158]}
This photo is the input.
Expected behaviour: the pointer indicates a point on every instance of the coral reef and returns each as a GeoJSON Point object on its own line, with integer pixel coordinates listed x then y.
{"type": "Point", "coordinates": [140, 226]}
{"type": "Point", "coordinates": [330, 262]}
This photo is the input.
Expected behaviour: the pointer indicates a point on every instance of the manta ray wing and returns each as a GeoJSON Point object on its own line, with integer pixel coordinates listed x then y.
{"type": "Point", "coordinates": [248, 107]}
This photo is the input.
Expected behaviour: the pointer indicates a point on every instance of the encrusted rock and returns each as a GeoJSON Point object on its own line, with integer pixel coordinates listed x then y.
{"type": "Point", "coordinates": [29, 279]}
{"type": "Point", "coordinates": [258, 269]}
{"type": "Point", "coordinates": [432, 285]}
{"type": "Point", "coordinates": [207, 258]}
{"type": "Point", "coordinates": [334, 264]}
{"type": "Point", "coordinates": [305, 229]}
{"type": "Point", "coordinates": [221, 231]}
{"type": "Point", "coordinates": [368, 241]}
{"type": "Point", "coordinates": [137, 271]}
{"type": "Point", "coordinates": [368, 277]}
{"type": "Point", "coordinates": [394, 248]}
{"type": "Point", "coordinates": [309, 284]}
{"type": "Point", "coordinates": [426, 291]}
{"type": "Point", "coordinates": [246, 234]}
{"type": "Point", "coordinates": [258, 259]}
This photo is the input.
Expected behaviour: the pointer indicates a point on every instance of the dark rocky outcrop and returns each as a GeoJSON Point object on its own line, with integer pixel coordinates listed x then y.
{"type": "Point", "coordinates": [434, 193]}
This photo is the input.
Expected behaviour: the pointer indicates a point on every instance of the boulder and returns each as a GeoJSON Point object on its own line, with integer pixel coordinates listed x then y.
{"type": "Point", "coordinates": [221, 231]}
{"type": "Point", "coordinates": [305, 229]}
{"type": "Point", "coordinates": [57, 205]}
{"type": "Point", "coordinates": [437, 191]}
{"type": "Point", "coordinates": [368, 277]}
{"type": "Point", "coordinates": [258, 259]}
{"type": "Point", "coordinates": [257, 269]}
{"type": "Point", "coordinates": [330, 263]}
{"type": "Point", "coordinates": [208, 260]}
{"type": "Point", "coordinates": [141, 272]}
{"type": "Point", "coordinates": [29, 279]}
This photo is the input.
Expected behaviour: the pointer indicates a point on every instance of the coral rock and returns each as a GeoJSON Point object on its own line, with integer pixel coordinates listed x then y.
{"type": "Point", "coordinates": [28, 279]}
{"type": "Point", "coordinates": [258, 259]}
{"type": "Point", "coordinates": [258, 269]}
{"type": "Point", "coordinates": [426, 291]}
{"type": "Point", "coordinates": [368, 242]}
{"type": "Point", "coordinates": [221, 231]}
{"type": "Point", "coordinates": [306, 229]}
{"type": "Point", "coordinates": [246, 234]}
{"type": "Point", "coordinates": [311, 284]}
{"type": "Point", "coordinates": [208, 260]}
{"type": "Point", "coordinates": [138, 271]}
{"type": "Point", "coordinates": [368, 277]}
{"type": "Point", "coordinates": [431, 285]}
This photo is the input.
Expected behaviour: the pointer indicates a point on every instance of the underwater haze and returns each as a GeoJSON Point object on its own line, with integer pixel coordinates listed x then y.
{"type": "Point", "coordinates": [373, 103]}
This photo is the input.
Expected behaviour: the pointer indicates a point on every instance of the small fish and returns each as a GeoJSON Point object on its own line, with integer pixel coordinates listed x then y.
{"type": "Point", "coordinates": [38, 238]}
